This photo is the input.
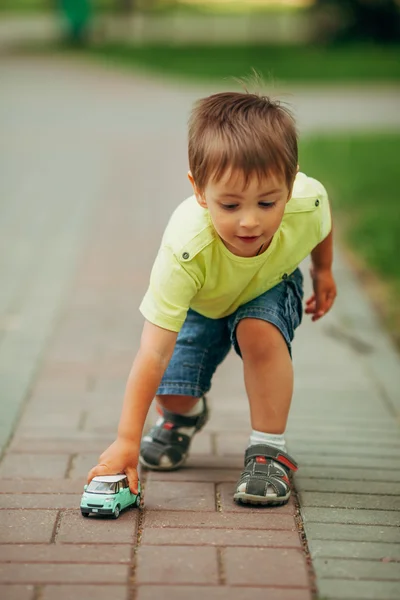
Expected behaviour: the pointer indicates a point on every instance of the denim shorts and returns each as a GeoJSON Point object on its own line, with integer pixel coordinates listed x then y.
{"type": "Point", "coordinates": [203, 343]}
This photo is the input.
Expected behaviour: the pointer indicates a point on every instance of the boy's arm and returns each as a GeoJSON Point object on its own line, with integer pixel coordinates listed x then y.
{"type": "Point", "coordinates": [156, 348]}
{"type": "Point", "coordinates": [323, 282]}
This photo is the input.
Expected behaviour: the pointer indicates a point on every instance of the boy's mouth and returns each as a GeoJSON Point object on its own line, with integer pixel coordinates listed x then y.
{"type": "Point", "coordinates": [248, 239]}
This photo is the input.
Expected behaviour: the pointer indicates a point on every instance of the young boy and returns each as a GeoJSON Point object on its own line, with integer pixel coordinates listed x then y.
{"type": "Point", "coordinates": [227, 275]}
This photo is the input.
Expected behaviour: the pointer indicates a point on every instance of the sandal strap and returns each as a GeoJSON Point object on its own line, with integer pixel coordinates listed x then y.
{"type": "Point", "coordinates": [169, 436]}
{"type": "Point", "coordinates": [258, 477]}
{"type": "Point", "coordinates": [267, 451]}
{"type": "Point", "coordinates": [196, 421]}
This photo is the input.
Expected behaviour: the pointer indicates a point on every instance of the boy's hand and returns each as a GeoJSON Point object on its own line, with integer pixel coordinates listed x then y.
{"type": "Point", "coordinates": [324, 293]}
{"type": "Point", "coordinates": [120, 457]}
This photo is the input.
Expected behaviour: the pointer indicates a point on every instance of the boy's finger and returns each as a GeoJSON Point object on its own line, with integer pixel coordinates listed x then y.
{"type": "Point", "coordinates": [320, 303]}
{"type": "Point", "coordinates": [98, 470]}
{"type": "Point", "coordinates": [132, 480]}
{"type": "Point", "coordinates": [310, 299]}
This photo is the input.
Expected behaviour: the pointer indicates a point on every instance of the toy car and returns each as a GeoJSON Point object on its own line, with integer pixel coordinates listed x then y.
{"type": "Point", "coordinates": [108, 495]}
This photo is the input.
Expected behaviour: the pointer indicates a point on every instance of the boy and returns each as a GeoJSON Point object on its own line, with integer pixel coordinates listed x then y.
{"type": "Point", "coordinates": [227, 274]}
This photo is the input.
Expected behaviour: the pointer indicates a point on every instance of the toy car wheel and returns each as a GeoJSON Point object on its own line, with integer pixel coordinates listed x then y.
{"type": "Point", "coordinates": [117, 511]}
{"type": "Point", "coordinates": [84, 514]}
{"type": "Point", "coordinates": [137, 501]}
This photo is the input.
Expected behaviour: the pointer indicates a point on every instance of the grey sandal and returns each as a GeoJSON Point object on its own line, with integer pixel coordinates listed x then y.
{"type": "Point", "coordinates": [166, 444]}
{"type": "Point", "coordinates": [265, 478]}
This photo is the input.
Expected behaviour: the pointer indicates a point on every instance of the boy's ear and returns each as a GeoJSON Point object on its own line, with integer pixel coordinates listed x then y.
{"type": "Point", "coordinates": [199, 197]}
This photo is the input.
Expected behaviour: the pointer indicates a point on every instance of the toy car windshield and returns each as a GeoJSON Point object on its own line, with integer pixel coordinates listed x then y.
{"type": "Point", "coordinates": [101, 487]}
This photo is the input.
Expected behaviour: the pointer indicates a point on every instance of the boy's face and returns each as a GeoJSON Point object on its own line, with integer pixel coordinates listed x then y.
{"type": "Point", "coordinates": [245, 218]}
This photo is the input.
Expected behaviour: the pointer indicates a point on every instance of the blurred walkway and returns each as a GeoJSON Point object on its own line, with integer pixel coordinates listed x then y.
{"type": "Point", "coordinates": [92, 163]}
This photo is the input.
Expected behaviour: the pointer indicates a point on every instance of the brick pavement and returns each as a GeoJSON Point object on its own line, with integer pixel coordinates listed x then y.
{"type": "Point", "coordinates": [72, 329]}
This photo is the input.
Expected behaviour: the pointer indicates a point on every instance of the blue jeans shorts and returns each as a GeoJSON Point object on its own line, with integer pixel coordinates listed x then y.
{"type": "Point", "coordinates": [203, 343]}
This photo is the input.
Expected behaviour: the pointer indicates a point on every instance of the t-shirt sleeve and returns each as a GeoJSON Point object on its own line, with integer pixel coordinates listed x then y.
{"type": "Point", "coordinates": [170, 292]}
{"type": "Point", "coordinates": [325, 209]}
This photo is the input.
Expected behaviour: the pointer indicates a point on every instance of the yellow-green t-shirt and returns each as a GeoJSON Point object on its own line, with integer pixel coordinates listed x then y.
{"type": "Point", "coordinates": [194, 269]}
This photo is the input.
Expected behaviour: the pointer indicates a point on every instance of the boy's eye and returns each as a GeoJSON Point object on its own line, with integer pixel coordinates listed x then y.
{"type": "Point", "coordinates": [266, 204]}
{"type": "Point", "coordinates": [229, 206]}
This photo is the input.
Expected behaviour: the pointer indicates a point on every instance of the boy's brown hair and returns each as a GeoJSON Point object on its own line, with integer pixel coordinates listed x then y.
{"type": "Point", "coordinates": [246, 132]}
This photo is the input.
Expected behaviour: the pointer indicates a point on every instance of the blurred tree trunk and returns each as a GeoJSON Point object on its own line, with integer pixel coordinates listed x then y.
{"type": "Point", "coordinates": [374, 20]}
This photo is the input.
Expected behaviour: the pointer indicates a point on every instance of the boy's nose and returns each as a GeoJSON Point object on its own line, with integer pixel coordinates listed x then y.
{"type": "Point", "coordinates": [249, 222]}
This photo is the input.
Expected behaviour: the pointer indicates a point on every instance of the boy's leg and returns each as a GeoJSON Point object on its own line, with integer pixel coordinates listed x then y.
{"type": "Point", "coordinates": [268, 374]}
{"type": "Point", "coordinates": [262, 331]}
{"type": "Point", "coordinates": [201, 345]}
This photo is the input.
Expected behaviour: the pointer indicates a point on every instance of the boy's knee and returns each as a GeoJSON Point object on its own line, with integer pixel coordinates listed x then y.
{"type": "Point", "coordinates": [175, 403]}
{"type": "Point", "coordinates": [258, 339]}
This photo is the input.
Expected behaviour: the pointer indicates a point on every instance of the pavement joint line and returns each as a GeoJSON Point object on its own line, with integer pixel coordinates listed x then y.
{"type": "Point", "coordinates": [298, 519]}
{"type": "Point", "coordinates": [56, 527]}
{"type": "Point", "coordinates": [218, 502]}
{"type": "Point", "coordinates": [221, 565]}
{"type": "Point", "coordinates": [70, 465]}
{"type": "Point", "coordinates": [132, 588]}
{"type": "Point", "coordinates": [38, 591]}
{"type": "Point", "coordinates": [83, 420]}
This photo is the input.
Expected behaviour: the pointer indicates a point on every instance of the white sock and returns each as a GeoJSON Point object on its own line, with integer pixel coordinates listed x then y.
{"type": "Point", "coordinates": [273, 439]}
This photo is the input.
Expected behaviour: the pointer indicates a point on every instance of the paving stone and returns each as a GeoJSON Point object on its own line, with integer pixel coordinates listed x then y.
{"type": "Point", "coordinates": [177, 564]}
{"type": "Point", "coordinates": [17, 592]}
{"type": "Point", "coordinates": [219, 537]}
{"type": "Point", "coordinates": [341, 500]}
{"type": "Point", "coordinates": [371, 462]}
{"type": "Point", "coordinates": [65, 553]}
{"type": "Point", "coordinates": [264, 566]}
{"type": "Point", "coordinates": [56, 416]}
{"type": "Point", "coordinates": [356, 569]}
{"type": "Point", "coordinates": [358, 590]}
{"type": "Point", "coordinates": [63, 573]}
{"type": "Point", "coordinates": [76, 529]}
{"type": "Point", "coordinates": [350, 516]}
{"type": "Point", "coordinates": [78, 592]}
{"type": "Point", "coordinates": [95, 445]}
{"type": "Point", "coordinates": [334, 473]}
{"type": "Point", "coordinates": [35, 526]}
{"type": "Point", "coordinates": [226, 491]}
{"type": "Point", "coordinates": [34, 465]}
{"type": "Point", "coordinates": [195, 475]}
{"type": "Point", "coordinates": [40, 500]}
{"type": "Point", "coordinates": [368, 488]}
{"type": "Point", "coordinates": [178, 495]}
{"type": "Point", "coordinates": [347, 450]}
{"type": "Point", "coordinates": [264, 519]}
{"type": "Point", "coordinates": [185, 592]}
{"type": "Point", "coordinates": [234, 443]}
{"type": "Point", "coordinates": [82, 464]}
{"type": "Point", "coordinates": [42, 486]}
{"type": "Point", "coordinates": [215, 462]}
{"type": "Point", "coordinates": [201, 444]}
{"type": "Point", "coordinates": [352, 533]}
{"type": "Point", "coordinates": [343, 549]}
{"type": "Point", "coordinates": [315, 436]}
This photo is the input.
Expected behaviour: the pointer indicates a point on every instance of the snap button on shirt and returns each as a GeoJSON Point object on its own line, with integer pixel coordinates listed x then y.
{"type": "Point", "coordinates": [185, 255]}
{"type": "Point", "coordinates": [317, 202]}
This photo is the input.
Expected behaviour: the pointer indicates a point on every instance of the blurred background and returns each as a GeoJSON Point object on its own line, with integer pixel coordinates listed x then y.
{"type": "Point", "coordinates": [350, 47]}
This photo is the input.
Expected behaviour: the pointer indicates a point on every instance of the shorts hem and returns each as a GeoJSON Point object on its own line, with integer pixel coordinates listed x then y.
{"type": "Point", "coordinates": [181, 389]}
{"type": "Point", "coordinates": [261, 313]}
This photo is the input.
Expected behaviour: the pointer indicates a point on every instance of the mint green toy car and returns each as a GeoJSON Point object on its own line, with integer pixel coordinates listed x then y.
{"type": "Point", "coordinates": [108, 495]}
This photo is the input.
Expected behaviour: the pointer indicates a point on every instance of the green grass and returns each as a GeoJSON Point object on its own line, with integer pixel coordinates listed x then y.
{"type": "Point", "coordinates": [277, 63]}
{"type": "Point", "coordinates": [159, 7]}
{"type": "Point", "coordinates": [360, 172]}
